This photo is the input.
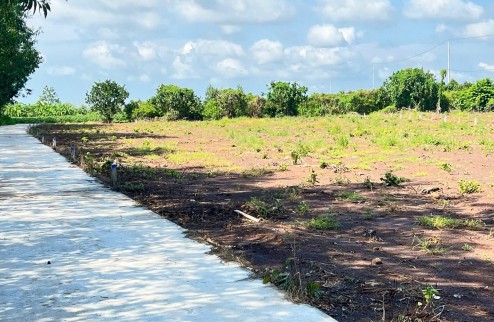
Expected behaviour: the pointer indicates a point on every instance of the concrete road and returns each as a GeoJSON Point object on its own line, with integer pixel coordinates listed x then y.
{"type": "Point", "coordinates": [72, 250]}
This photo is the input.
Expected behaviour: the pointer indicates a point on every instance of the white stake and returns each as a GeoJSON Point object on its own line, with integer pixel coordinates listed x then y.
{"type": "Point", "coordinates": [114, 174]}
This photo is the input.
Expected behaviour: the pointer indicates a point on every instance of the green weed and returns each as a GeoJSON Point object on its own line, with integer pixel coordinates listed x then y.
{"type": "Point", "coordinates": [469, 186]}
{"type": "Point", "coordinates": [327, 222]}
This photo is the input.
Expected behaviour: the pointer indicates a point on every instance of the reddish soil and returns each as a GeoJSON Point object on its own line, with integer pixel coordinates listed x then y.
{"type": "Point", "coordinates": [368, 269]}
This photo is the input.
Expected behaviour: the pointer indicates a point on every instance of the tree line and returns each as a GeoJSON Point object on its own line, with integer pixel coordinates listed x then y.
{"type": "Point", "coordinates": [411, 88]}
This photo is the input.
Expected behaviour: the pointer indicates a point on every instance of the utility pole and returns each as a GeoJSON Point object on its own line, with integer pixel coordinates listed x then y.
{"type": "Point", "coordinates": [449, 62]}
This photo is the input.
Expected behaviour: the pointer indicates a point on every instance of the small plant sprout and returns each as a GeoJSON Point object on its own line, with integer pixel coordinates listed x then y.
{"type": "Point", "coordinates": [446, 167]}
{"type": "Point", "coordinates": [467, 247]}
{"type": "Point", "coordinates": [368, 183]}
{"type": "Point", "coordinates": [430, 294]}
{"type": "Point", "coordinates": [312, 179]}
{"type": "Point", "coordinates": [303, 208]}
{"type": "Point", "coordinates": [295, 157]}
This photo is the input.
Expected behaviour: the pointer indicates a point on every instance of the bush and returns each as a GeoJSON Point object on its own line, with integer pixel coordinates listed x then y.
{"type": "Point", "coordinates": [410, 88]}
{"type": "Point", "coordinates": [323, 104]}
{"type": "Point", "coordinates": [364, 101]}
{"type": "Point", "coordinates": [144, 110]}
{"type": "Point", "coordinates": [175, 102]}
{"type": "Point", "coordinates": [285, 99]}
{"type": "Point", "coordinates": [212, 111]}
{"type": "Point", "coordinates": [227, 102]}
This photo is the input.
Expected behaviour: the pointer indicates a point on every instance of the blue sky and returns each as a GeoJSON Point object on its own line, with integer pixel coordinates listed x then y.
{"type": "Point", "coordinates": [326, 45]}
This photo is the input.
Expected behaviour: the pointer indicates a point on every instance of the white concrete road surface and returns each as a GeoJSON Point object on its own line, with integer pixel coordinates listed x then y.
{"type": "Point", "coordinates": [110, 259]}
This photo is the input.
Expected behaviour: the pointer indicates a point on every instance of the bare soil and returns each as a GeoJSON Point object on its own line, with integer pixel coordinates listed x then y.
{"type": "Point", "coordinates": [370, 268]}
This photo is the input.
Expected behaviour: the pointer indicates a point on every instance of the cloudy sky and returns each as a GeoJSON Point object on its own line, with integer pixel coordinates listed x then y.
{"type": "Point", "coordinates": [327, 45]}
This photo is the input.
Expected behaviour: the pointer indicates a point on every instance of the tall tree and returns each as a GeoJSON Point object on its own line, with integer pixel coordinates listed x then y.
{"type": "Point", "coordinates": [107, 98]}
{"type": "Point", "coordinates": [18, 56]}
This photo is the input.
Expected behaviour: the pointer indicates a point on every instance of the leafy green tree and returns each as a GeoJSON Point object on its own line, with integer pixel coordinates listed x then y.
{"type": "Point", "coordinates": [284, 99]}
{"type": "Point", "coordinates": [48, 96]}
{"type": "Point", "coordinates": [227, 102]}
{"type": "Point", "coordinates": [177, 103]}
{"type": "Point", "coordinates": [18, 57]}
{"type": "Point", "coordinates": [411, 88]}
{"type": "Point", "coordinates": [107, 98]}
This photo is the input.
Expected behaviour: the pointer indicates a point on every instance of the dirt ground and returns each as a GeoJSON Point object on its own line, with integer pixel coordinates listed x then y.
{"type": "Point", "coordinates": [371, 268]}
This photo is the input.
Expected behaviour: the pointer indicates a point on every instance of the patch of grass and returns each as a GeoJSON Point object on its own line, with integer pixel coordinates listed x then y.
{"type": "Point", "coordinates": [256, 172]}
{"type": "Point", "coordinates": [262, 208]}
{"type": "Point", "coordinates": [429, 246]}
{"type": "Point", "coordinates": [469, 186]}
{"type": "Point", "coordinates": [467, 247]}
{"type": "Point", "coordinates": [446, 167]}
{"type": "Point", "coordinates": [350, 196]}
{"type": "Point", "coordinates": [441, 222]}
{"type": "Point", "coordinates": [390, 179]}
{"type": "Point", "coordinates": [327, 222]}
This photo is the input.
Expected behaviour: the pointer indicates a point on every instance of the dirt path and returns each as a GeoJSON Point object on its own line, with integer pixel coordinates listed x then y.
{"type": "Point", "coordinates": [71, 249]}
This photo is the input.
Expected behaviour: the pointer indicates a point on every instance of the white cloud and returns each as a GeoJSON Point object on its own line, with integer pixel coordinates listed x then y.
{"type": "Point", "coordinates": [442, 9]}
{"type": "Point", "coordinates": [61, 70]}
{"type": "Point", "coordinates": [235, 11]}
{"type": "Point", "coordinates": [329, 36]}
{"type": "Point", "coordinates": [212, 47]}
{"type": "Point", "coordinates": [311, 56]}
{"type": "Point", "coordinates": [230, 29]}
{"type": "Point", "coordinates": [182, 68]}
{"type": "Point", "coordinates": [231, 68]}
{"type": "Point", "coordinates": [144, 78]}
{"type": "Point", "coordinates": [487, 67]}
{"type": "Point", "coordinates": [356, 10]}
{"type": "Point", "coordinates": [267, 51]}
{"type": "Point", "coordinates": [102, 54]}
{"type": "Point", "coordinates": [479, 29]}
{"type": "Point", "coordinates": [108, 33]}
{"type": "Point", "coordinates": [146, 50]}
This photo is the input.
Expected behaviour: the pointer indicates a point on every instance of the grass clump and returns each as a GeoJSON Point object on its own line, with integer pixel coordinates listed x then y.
{"type": "Point", "coordinates": [469, 186]}
{"type": "Point", "coordinates": [390, 179]}
{"type": "Point", "coordinates": [327, 222]}
{"type": "Point", "coordinates": [350, 196]}
{"type": "Point", "coordinates": [441, 222]}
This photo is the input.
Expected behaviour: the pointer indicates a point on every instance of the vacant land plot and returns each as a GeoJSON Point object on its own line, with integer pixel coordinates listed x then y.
{"type": "Point", "coordinates": [386, 216]}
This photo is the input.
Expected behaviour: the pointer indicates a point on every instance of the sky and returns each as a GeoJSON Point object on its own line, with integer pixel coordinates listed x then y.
{"type": "Point", "coordinates": [326, 45]}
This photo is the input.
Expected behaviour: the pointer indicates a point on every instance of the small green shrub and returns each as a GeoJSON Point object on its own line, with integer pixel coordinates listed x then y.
{"type": "Point", "coordinates": [390, 179]}
{"type": "Point", "coordinates": [350, 196]}
{"type": "Point", "coordinates": [446, 167]}
{"type": "Point", "coordinates": [327, 222]}
{"type": "Point", "coordinates": [469, 186]}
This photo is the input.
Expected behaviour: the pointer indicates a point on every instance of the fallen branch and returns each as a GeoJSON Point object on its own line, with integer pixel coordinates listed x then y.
{"type": "Point", "coordinates": [252, 218]}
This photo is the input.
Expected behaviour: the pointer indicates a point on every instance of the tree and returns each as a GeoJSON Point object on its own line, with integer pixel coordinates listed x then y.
{"type": "Point", "coordinates": [285, 98]}
{"type": "Point", "coordinates": [26, 6]}
{"type": "Point", "coordinates": [107, 98]}
{"type": "Point", "coordinates": [48, 96]}
{"type": "Point", "coordinates": [411, 88]}
{"type": "Point", "coordinates": [177, 103]}
{"type": "Point", "coordinates": [227, 102]}
{"type": "Point", "coordinates": [18, 57]}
